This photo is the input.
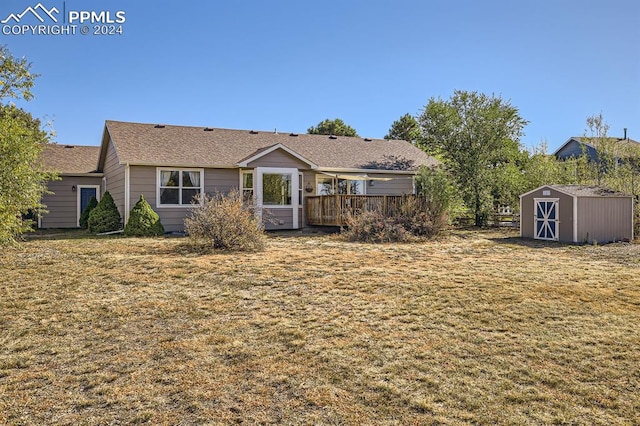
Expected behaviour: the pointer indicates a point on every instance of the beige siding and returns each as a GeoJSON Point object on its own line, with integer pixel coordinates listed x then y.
{"type": "Point", "coordinates": [565, 212]}
{"type": "Point", "coordinates": [279, 158]}
{"type": "Point", "coordinates": [283, 219]}
{"type": "Point", "coordinates": [114, 172]}
{"type": "Point", "coordinates": [143, 181]}
{"type": "Point", "coordinates": [604, 219]}
{"type": "Point", "coordinates": [63, 203]}
{"type": "Point", "coordinates": [400, 185]}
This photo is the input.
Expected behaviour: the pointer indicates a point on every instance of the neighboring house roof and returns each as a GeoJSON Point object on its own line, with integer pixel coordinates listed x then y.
{"type": "Point", "coordinates": [71, 159]}
{"type": "Point", "coordinates": [582, 191]}
{"type": "Point", "coordinates": [571, 148]}
{"type": "Point", "coordinates": [186, 146]}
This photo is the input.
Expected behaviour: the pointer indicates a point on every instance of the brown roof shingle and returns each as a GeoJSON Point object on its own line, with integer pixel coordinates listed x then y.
{"type": "Point", "coordinates": [588, 191]}
{"type": "Point", "coordinates": [70, 159]}
{"type": "Point", "coordinates": [149, 144]}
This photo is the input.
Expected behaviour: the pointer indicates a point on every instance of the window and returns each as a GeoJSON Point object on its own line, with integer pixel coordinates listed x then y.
{"type": "Point", "coordinates": [300, 186]}
{"type": "Point", "coordinates": [276, 189]}
{"type": "Point", "coordinates": [324, 185]}
{"type": "Point", "coordinates": [330, 186]}
{"type": "Point", "coordinates": [247, 185]}
{"type": "Point", "coordinates": [178, 187]}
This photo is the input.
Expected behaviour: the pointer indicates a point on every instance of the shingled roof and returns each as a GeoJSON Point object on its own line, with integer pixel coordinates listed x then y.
{"type": "Point", "coordinates": [71, 159]}
{"type": "Point", "coordinates": [588, 191]}
{"type": "Point", "coordinates": [186, 146]}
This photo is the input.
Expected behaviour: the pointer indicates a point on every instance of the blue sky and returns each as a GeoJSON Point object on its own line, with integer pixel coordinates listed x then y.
{"type": "Point", "coordinates": [290, 64]}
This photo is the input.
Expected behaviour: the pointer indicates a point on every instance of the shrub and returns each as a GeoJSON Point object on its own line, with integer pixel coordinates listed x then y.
{"type": "Point", "coordinates": [439, 195]}
{"type": "Point", "coordinates": [143, 221]}
{"type": "Point", "coordinates": [84, 216]}
{"type": "Point", "coordinates": [226, 222]}
{"type": "Point", "coordinates": [105, 217]}
{"type": "Point", "coordinates": [425, 215]}
{"type": "Point", "coordinates": [374, 227]}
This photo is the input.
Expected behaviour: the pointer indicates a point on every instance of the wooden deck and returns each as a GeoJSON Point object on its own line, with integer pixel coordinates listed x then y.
{"type": "Point", "coordinates": [332, 210]}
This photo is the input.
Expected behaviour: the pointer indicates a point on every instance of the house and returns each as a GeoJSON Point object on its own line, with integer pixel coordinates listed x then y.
{"type": "Point", "coordinates": [576, 214]}
{"type": "Point", "coordinates": [170, 165]}
{"type": "Point", "coordinates": [80, 180]}
{"type": "Point", "coordinates": [576, 146]}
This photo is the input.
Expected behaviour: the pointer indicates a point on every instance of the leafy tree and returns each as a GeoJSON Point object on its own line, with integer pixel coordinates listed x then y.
{"type": "Point", "coordinates": [477, 136]}
{"type": "Point", "coordinates": [16, 79]}
{"type": "Point", "coordinates": [105, 217]}
{"type": "Point", "coordinates": [436, 187]}
{"type": "Point", "coordinates": [22, 140]}
{"type": "Point", "coordinates": [606, 150]}
{"type": "Point", "coordinates": [335, 127]}
{"type": "Point", "coordinates": [84, 216]}
{"type": "Point", "coordinates": [405, 128]}
{"type": "Point", "coordinates": [541, 168]}
{"type": "Point", "coordinates": [143, 221]}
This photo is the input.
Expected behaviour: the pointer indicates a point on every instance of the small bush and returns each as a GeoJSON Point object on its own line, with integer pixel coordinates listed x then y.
{"type": "Point", "coordinates": [226, 222]}
{"type": "Point", "coordinates": [105, 217]}
{"type": "Point", "coordinates": [84, 216]}
{"type": "Point", "coordinates": [143, 221]}
{"type": "Point", "coordinates": [374, 227]}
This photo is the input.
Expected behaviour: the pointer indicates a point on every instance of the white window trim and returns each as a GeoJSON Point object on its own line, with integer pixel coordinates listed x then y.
{"type": "Point", "coordinates": [277, 171]}
{"type": "Point", "coordinates": [241, 184]}
{"type": "Point", "coordinates": [300, 189]}
{"type": "Point", "coordinates": [78, 192]}
{"type": "Point", "coordinates": [335, 184]}
{"type": "Point", "coordinates": [178, 169]}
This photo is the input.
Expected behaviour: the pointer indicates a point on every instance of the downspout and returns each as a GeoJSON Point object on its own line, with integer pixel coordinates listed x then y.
{"type": "Point", "coordinates": [126, 193]}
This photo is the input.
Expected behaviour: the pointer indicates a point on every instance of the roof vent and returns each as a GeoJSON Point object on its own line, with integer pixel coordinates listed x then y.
{"type": "Point", "coordinates": [159, 126]}
{"type": "Point", "coordinates": [367, 140]}
{"type": "Point", "coordinates": [208, 129]}
{"type": "Point", "coordinates": [68, 146]}
{"type": "Point", "coordinates": [333, 137]}
{"type": "Point", "coordinates": [293, 134]}
{"type": "Point", "coordinates": [253, 132]}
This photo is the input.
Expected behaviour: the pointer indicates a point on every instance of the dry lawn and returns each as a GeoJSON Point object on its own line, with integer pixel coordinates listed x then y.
{"type": "Point", "coordinates": [478, 327]}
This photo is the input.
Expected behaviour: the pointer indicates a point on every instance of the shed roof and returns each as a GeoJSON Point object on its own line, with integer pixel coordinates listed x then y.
{"type": "Point", "coordinates": [581, 191]}
{"type": "Point", "coordinates": [71, 159]}
{"type": "Point", "coordinates": [588, 191]}
{"type": "Point", "coordinates": [149, 144]}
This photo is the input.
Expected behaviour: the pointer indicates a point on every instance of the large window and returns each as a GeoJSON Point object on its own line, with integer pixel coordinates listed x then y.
{"type": "Point", "coordinates": [276, 189]}
{"type": "Point", "coordinates": [326, 185]}
{"type": "Point", "coordinates": [178, 187]}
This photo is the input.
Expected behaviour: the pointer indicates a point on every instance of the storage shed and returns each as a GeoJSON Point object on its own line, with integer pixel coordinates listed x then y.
{"type": "Point", "coordinates": [576, 214]}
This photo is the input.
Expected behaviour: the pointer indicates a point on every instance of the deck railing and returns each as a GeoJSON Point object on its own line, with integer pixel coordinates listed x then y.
{"type": "Point", "coordinates": [332, 210]}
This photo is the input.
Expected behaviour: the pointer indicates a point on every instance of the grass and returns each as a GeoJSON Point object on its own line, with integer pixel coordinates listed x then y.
{"type": "Point", "coordinates": [478, 327]}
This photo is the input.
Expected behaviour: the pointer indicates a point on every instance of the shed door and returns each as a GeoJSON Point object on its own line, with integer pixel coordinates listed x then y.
{"type": "Point", "coordinates": [546, 220]}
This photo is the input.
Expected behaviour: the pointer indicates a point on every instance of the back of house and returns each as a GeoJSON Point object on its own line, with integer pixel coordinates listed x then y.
{"type": "Point", "coordinates": [170, 165]}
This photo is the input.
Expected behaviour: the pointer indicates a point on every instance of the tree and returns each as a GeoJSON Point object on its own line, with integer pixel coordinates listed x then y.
{"type": "Point", "coordinates": [84, 216]}
{"type": "Point", "coordinates": [606, 150]}
{"type": "Point", "coordinates": [477, 136]}
{"type": "Point", "coordinates": [335, 127]}
{"type": "Point", "coordinates": [22, 140]}
{"type": "Point", "coordinates": [541, 168]}
{"type": "Point", "coordinates": [143, 221]}
{"type": "Point", "coordinates": [406, 128]}
{"type": "Point", "coordinates": [105, 217]}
